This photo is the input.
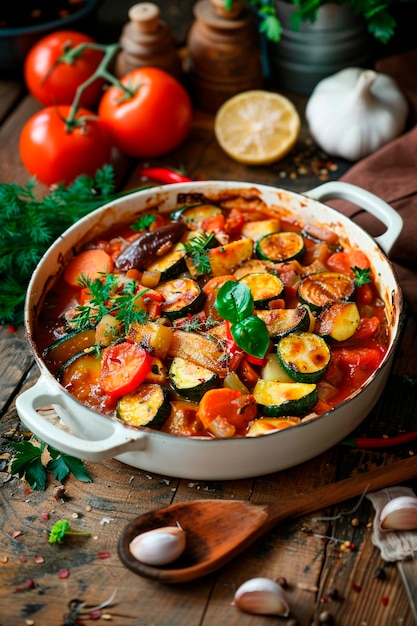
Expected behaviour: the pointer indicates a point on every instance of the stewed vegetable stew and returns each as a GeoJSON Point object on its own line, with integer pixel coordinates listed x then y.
{"type": "Point", "coordinates": [214, 320]}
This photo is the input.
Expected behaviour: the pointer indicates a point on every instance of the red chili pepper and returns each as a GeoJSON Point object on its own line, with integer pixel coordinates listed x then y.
{"type": "Point", "coordinates": [380, 442]}
{"type": "Point", "coordinates": [164, 175]}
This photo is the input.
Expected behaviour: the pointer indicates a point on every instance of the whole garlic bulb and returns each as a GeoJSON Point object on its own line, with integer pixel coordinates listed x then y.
{"type": "Point", "coordinates": [355, 111]}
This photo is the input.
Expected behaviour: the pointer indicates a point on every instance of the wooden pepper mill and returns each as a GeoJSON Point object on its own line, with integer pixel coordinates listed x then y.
{"type": "Point", "coordinates": [223, 53]}
{"type": "Point", "coordinates": [146, 40]}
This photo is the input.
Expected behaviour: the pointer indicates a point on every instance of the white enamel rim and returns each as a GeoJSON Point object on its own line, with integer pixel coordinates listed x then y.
{"type": "Point", "coordinates": [91, 436]}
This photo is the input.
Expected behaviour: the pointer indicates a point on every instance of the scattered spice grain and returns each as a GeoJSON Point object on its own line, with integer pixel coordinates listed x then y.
{"type": "Point", "coordinates": [380, 573]}
{"type": "Point", "coordinates": [385, 601]}
{"type": "Point", "coordinates": [325, 618]}
{"type": "Point", "coordinates": [63, 573]}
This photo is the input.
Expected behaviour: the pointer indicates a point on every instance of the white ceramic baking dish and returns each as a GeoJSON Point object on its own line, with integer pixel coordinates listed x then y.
{"type": "Point", "coordinates": [88, 435]}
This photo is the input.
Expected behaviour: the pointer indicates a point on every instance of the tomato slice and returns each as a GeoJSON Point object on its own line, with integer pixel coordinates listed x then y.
{"type": "Point", "coordinates": [124, 367]}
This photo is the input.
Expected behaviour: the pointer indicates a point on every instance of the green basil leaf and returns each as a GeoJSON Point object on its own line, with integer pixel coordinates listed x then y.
{"type": "Point", "coordinates": [234, 301]}
{"type": "Point", "coordinates": [251, 335]}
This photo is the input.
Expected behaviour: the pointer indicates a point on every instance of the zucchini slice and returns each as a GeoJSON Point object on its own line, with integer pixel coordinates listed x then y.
{"type": "Point", "coordinates": [194, 214]}
{"type": "Point", "coordinates": [303, 356]}
{"type": "Point", "coordinates": [170, 265]}
{"type": "Point", "coordinates": [80, 374]}
{"type": "Point", "coordinates": [268, 425]}
{"type": "Point", "coordinates": [279, 247]}
{"type": "Point", "coordinates": [275, 398]}
{"type": "Point", "coordinates": [182, 296]}
{"type": "Point", "coordinates": [148, 406]}
{"type": "Point", "coordinates": [259, 228]}
{"type": "Point", "coordinates": [338, 321]}
{"type": "Point", "coordinates": [191, 381]}
{"type": "Point", "coordinates": [324, 288]}
{"type": "Point", "coordinates": [67, 346]}
{"type": "Point", "coordinates": [282, 322]}
{"type": "Point", "coordinates": [264, 288]}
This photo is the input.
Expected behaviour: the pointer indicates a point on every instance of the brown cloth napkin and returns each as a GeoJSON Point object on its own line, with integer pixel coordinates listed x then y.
{"type": "Point", "coordinates": [391, 174]}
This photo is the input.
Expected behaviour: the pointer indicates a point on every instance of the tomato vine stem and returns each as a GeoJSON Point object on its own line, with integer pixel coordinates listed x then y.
{"type": "Point", "coordinates": [101, 71]}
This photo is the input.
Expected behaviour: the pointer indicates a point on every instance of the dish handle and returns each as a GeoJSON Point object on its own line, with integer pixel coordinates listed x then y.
{"type": "Point", "coordinates": [337, 190]}
{"type": "Point", "coordinates": [115, 438]}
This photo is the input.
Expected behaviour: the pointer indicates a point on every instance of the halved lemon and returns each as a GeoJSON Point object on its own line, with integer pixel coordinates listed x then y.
{"type": "Point", "coordinates": [257, 127]}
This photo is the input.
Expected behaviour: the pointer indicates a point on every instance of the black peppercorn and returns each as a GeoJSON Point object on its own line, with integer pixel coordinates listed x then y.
{"type": "Point", "coordinates": [380, 573]}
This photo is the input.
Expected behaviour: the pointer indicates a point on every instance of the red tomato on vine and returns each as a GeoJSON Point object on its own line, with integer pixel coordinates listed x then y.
{"type": "Point", "coordinates": [55, 153]}
{"type": "Point", "coordinates": [153, 118]}
{"type": "Point", "coordinates": [53, 71]}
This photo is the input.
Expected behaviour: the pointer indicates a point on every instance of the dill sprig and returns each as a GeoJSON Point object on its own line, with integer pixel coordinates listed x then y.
{"type": "Point", "coordinates": [30, 224]}
{"type": "Point", "coordinates": [197, 250]}
{"type": "Point", "coordinates": [105, 298]}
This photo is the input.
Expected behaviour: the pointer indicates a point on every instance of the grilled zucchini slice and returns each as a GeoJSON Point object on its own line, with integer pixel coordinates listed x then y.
{"type": "Point", "coordinates": [70, 344]}
{"type": "Point", "coordinates": [282, 322]}
{"type": "Point", "coordinates": [80, 367]}
{"type": "Point", "coordinates": [324, 288]}
{"type": "Point", "coordinates": [170, 265]}
{"type": "Point", "coordinates": [264, 288]}
{"type": "Point", "coordinates": [259, 228]}
{"type": "Point", "coordinates": [191, 381]}
{"type": "Point", "coordinates": [303, 356]}
{"type": "Point", "coordinates": [338, 321]}
{"type": "Point", "coordinates": [275, 398]}
{"type": "Point", "coordinates": [148, 406]}
{"type": "Point", "coordinates": [268, 425]}
{"type": "Point", "coordinates": [279, 247]}
{"type": "Point", "coordinates": [194, 214]}
{"type": "Point", "coordinates": [182, 296]}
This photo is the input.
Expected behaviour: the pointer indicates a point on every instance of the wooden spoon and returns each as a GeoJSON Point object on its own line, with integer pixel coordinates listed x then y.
{"type": "Point", "coordinates": [218, 530]}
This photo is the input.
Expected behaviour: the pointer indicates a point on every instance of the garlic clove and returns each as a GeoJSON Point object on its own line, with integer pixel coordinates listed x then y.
{"type": "Point", "coordinates": [159, 546]}
{"type": "Point", "coordinates": [399, 514]}
{"type": "Point", "coordinates": [261, 596]}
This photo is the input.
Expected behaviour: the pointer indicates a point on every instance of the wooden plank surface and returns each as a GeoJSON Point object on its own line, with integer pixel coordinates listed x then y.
{"type": "Point", "coordinates": [299, 550]}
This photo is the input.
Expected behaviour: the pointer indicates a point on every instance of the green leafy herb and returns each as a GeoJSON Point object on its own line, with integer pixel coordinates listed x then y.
{"type": "Point", "coordinates": [61, 529]}
{"type": "Point", "coordinates": [30, 224]}
{"type": "Point", "coordinates": [362, 275]}
{"type": "Point", "coordinates": [28, 464]}
{"type": "Point", "coordinates": [143, 223]}
{"type": "Point", "coordinates": [105, 299]}
{"type": "Point", "coordinates": [234, 302]}
{"type": "Point", "coordinates": [197, 250]}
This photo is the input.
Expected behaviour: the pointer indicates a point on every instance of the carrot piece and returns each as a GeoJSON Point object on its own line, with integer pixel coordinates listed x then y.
{"type": "Point", "coordinates": [229, 405]}
{"type": "Point", "coordinates": [135, 274]}
{"type": "Point", "coordinates": [213, 285]}
{"type": "Point", "coordinates": [90, 263]}
{"type": "Point", "coordinates": [344, 261]}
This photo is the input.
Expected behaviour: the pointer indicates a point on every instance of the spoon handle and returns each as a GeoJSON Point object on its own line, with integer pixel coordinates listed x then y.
{"type": "Point", "coordinates": [333, 493]}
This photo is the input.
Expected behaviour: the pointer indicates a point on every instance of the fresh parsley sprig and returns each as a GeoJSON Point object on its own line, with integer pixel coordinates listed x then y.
{"type": "Point", "coordinates": [61, 529]}
{"type": "Point", "coordinates": [28, 464]}
{"type": "Point", "coordinates": [362, 275]}
{"type": "Point", "coordinates": [234, 302]}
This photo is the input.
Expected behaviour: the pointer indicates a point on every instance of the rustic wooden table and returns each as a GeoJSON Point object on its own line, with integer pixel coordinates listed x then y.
{"type": "Point", "coordinates": [33, 590]}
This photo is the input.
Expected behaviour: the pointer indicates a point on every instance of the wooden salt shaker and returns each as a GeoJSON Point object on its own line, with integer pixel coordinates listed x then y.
{"type": "Point", "coordinates": [223, 53]}
{"type": "Point", "coordinates": [147, 41]}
